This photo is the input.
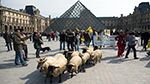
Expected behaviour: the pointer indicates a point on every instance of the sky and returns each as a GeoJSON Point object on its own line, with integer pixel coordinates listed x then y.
{"type": "Point", "coordinates": [55, 8]}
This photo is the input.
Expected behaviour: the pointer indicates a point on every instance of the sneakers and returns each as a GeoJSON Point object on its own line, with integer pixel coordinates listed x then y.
{"type": "Point", "coordinates": [25, 65]}
{"type": "Point", "coordinates": [136, 58]}
{"type": "Point", "coordinates": [37, 56]}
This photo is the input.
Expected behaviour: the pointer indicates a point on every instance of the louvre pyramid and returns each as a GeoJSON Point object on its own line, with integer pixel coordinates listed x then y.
{"type": "Point", "coordinates": [78, 16]}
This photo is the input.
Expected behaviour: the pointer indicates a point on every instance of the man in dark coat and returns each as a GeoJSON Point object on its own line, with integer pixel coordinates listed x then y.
{"type": "Point", "coordinates": [17, 43]}
{"type": "Point", "coordinates": [8, 39]}
{"type": "Point", "coordinates": [146, 37]}
{"type": "Point", "coordinates": [70, 40]}
{"type": "Point", "coordinates": [62, 40]}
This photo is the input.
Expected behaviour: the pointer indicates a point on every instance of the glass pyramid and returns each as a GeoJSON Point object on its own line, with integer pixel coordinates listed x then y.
{"type": "Point", "coordinates": [78, 16]}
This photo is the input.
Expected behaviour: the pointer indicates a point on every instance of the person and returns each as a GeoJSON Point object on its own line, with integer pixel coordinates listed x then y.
{"type": "Point", "coordinates": [77, 40]}
{"type": "Point", "coordinates": [87, 38]}
{"type": "Point", "coordinates": [24, 45]}
{"type": "Point", "coordinates": [70, 40]}
{"type": "Point", "coordinates": [8, 39]}
{"type": "Point", "coordinates": [37, 43]}
{"type": "Point", "coordinates": [131, 44]}
{"type": "Point", "coordinates": [17, 44]}
{"type": "Point", "coordinates": [121, 44]}
{"type": "Point", "coordinates": [62, 39]}
{"type": "Point", "coordinates": [146, 37]}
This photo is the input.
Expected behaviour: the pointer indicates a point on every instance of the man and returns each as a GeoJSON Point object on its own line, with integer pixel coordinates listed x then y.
{"type": "Point", "coordinates": [62, 40]}
{"type": "Point", "coordinates": [8, 38]}
{"type": "Point", "coordinates": [17, 43]}
{"type": "Point", "coordinates": [24, 45]}
{"type": "Point", "coordinates": [70, 40]}
{"type": "Point", "coordinates": [131, 44]}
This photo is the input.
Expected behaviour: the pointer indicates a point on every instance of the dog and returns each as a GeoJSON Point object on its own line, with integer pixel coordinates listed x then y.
{"type": "Point", "coordinates": [45, 49]}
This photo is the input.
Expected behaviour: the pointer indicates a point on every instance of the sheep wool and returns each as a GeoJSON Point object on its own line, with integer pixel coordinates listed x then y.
{"type": "Point", "coordinates": [76, 61]}
{"type": "Point", "coordinates": [96, 55]}
{"type": "Point", "coordinates": [60, 64]}
{"type": "Point", "coordinates": [85, 57]}
{"type": "Point", "coordinates": [48, 62]}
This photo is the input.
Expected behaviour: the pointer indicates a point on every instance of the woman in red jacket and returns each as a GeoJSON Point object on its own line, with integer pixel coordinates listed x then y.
{"type": "Point", "coordinates": [121, 43]}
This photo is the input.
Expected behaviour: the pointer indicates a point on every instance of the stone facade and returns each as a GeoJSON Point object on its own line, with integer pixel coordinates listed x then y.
{"type": "Point", "coordinates": [138, 21]}
{"type": "Point", "coordinates": [11, 19]}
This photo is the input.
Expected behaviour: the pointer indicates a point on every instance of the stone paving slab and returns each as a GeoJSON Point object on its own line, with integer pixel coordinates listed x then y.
{"type": "Point", "coordinates": [111, 70]}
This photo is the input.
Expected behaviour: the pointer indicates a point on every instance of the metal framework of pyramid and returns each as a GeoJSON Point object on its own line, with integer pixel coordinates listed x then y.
{"type": "Point", "coordinates": [78, 16]}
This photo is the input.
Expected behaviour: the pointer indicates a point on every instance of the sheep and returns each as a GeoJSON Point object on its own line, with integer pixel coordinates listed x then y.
{"type": "Point", "coordinates": [43, 64]}
{"type": "Point", "coordinates": [75, 63]}
{"type": "Point", "coordinates": [96, 55]}
{"type": "Point", "coordinates": [85, 57]}
{"type": "Point", "coordinates": [58, 67]}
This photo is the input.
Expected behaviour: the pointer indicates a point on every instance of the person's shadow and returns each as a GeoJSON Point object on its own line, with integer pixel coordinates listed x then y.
{"type": "Point", "coordinates": [37, 77]}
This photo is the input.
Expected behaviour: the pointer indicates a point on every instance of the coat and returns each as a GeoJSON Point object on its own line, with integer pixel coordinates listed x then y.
{"type": "Point", "coordinates": [17, 43]}
{"type": "Point", "coordinates": [37, 42]}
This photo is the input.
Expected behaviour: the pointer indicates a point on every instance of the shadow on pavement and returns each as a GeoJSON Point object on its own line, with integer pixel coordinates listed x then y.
{"type": "Point", "coordinates": [10, 60]}
{"type": "Point", "coordinates": [109, 58]}
{"type": "Point", "coordinates": [117, 60]}
{"type": "Point", "coordinates": [37, 77]}
{"type": "Point", "coordinates": [146, 58]}
{"type": "Point", "coordinates": [8, 66]}
{"type": "Point", "coordinates": [148, 65]}
{"type": "Point", "coordinates": [3, 51]}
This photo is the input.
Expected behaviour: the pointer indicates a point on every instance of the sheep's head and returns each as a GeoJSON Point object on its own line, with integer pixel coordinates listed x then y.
{"type": "Point", "coordinates": [96, 47]}
{"type": "Point", "coordinates": [84, 50]}
{"type": "Point", "coordinates": [67, 54]}
{"type": "Point", "coordinates": [41, 61]}
{"type": "Point", "coordinates": [51, 69]}
{"type": "Point", "coordinates": [70, 68]}
{"type": "Point", "coordinates": [92, 55]}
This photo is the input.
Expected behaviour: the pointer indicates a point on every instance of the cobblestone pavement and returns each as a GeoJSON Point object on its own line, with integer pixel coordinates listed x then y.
{"type": "Point", "coordinates": [111, 70]}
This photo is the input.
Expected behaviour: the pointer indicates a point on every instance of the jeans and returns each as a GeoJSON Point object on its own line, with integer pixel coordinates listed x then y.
{"type": "Point", "coordinates": [70, 44]}
{"type": "Point", "coordinates": [9, 46]}
{"type": "Point", "coordinates": [38, 52]}
{"type": "Point", "coordinates": [19, 58]}
{"type": "Point", "coordinates": [77, 46]}
{"type": "Point", "coordinates": [134, 50]}
{"type": "Point", "coordinates": [62, 45]}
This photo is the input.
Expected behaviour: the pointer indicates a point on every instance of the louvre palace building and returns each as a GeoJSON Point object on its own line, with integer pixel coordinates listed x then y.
{"type": "Point", "coordinates": [28, 19]}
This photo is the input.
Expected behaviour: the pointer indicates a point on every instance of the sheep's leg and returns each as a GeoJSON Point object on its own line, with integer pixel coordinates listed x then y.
{"type": "Point", "coordinates": [46, 78]}
{"type": "Point", "coordinates": [99, 59]}
{"type": "Point", "coordinates": [83, 68]}
{"type": "Point", "coordinates": [60, 78]}
{"type": "Point", "coordinates": [71, 74]}
{"type": "Point", "coordinates": [51, 78]}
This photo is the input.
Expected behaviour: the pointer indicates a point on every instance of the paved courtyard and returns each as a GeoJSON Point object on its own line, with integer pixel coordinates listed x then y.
{"type": "Point", "coordinates": [111, 70]}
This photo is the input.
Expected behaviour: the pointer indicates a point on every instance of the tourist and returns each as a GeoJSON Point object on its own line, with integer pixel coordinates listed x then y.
{"type": "Point", "coordinates": [24, 45]}
{"type": "Point", "coordinates": [70, 40]}
{"type": "Point", "coordinates": [17, 44]}
{"type": "Point", "coordinates": [62, 39]}
{"type": "Point", "coordinates": [146, 37]}
{"type": "Point", "coordinates": [121, 44]}
{"type": "Point", "coordinates": [8, 39]}
{"type": "Point", "coordinates": [131, 44]}
{"type": "Point", "coordinates": [37, 43]}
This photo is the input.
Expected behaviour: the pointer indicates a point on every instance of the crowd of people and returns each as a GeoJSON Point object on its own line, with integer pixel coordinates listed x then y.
{"type": "Point", "coordinates": [70, 38]}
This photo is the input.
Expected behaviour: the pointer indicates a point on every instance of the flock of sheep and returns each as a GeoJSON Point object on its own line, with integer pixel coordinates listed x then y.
{"type": "Point", "coordinates": [70, 61]}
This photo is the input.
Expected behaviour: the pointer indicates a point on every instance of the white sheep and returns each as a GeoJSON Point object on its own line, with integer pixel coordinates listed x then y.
{"type": "Point", "coordinates": [57, 67]}
{"type": "Point", "coordinates": [43, 63]}
{"type": "Point", "coordinates": [96, 56]}
{"type": "Point", "coordinates": [75, 63]}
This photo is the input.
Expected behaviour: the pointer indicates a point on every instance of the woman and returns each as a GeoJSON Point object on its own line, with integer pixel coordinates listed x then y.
{"type": "Point", "coordinates": [37, 43]}
{"type": "Point", "coordinates": [121, 44]}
